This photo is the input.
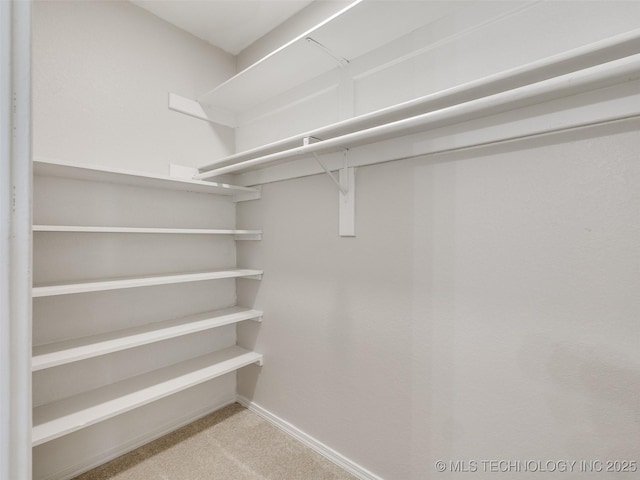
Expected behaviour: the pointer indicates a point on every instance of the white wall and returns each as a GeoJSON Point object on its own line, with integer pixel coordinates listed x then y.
{"type": "Point", "coordinates": [487, 309]}
{"type": "Point", "coordinates": [102, 73]}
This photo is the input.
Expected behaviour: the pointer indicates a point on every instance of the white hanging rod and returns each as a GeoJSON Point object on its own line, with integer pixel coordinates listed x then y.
{"type": "Point", "coordinates": [593, 78]}
{"type": "Point", "coordinates": [612, 48]}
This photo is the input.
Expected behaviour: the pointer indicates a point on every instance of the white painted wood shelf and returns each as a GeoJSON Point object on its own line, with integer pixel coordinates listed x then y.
{"type": "Point", "coordinates": [74, 350]}
{"type": "Point", "coordinates": [434, 107]}
{"type": "Point", "coordinates": [134, 282]}
{"type": "Point", "coordinates": [239, 234]}
{"type": "Point", "coordinates": [56, 168]}
{"type": "Point", "coordinates": [300, 60]}
{"type": "Point", "coordinates": [54, 420]}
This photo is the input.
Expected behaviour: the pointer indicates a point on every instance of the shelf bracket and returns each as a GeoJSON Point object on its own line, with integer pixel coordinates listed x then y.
{"type": "Point", "coordinates": [346, 194]}
{"type": "Point", "coordinates": [246, 196]}
{"type": "Point", "coordinates": [187, 173]}
{"type": "Point", "coordinates": [252, 277]}
{"type": "Point", "coordinates": [195, 109]}
{"type": "Point", "coordinates": [342, 62]}
{"type": "Point", "coordinates": [343, 189]}
{"type": "Point", "coordinates": [347, 206]}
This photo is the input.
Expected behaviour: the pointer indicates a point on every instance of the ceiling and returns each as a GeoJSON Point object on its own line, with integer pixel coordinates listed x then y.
{"type": "Point", "coordinates": [231, 25]}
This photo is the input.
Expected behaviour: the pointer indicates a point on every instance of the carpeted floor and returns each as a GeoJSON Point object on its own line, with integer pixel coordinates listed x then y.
{"type": "Point", "coordinates": [230, 444]}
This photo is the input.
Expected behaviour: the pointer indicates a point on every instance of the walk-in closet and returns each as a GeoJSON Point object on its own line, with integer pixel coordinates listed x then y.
{"type": "Point", "coordinates": [313, 239]}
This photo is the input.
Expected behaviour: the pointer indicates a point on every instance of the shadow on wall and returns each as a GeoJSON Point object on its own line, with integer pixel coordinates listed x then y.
{"type": "Point", "coordinates": [607, 385]}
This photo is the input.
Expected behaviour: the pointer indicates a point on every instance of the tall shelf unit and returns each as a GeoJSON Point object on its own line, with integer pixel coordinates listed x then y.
{"type": "Point", "coordinates": [55, 419]}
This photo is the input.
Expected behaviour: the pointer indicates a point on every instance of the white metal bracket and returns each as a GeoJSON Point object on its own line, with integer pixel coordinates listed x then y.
{"type": "Point", "coordinates": [343, 189]}
{"type": "Point", "coordinates": [342, 62]}
{"type": "Point", "coordinates": [346, 194]}
{"type": "Point", "coordinates": [347, 208]}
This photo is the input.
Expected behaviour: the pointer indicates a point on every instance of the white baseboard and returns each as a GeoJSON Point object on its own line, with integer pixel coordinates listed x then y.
{"type": "Point", "coordinates": [319, 447]}
{"type": "Point", "coordinates": [93, 462]}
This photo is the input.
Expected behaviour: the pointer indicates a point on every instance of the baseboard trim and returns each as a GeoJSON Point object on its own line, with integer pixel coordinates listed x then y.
{"type": "Point", "coordinates": [317, 446]}
{"type": "Point", "coordinates": [306, 439]}
{"type": "Point", "coordinates": [93, 462]}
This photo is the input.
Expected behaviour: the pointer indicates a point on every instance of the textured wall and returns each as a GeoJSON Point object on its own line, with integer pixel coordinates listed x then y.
{"type": "Point", "coordinates": [102, 73]}
{"type": "Point", "coordinates": [487, 309]}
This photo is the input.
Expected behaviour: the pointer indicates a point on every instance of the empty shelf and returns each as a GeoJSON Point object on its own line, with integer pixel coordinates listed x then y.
{"type": "Point", "coordinates": [133, 282]}
{"type": "Point", "coordinates": [60, 353]}
{"type": "Point", "coordinates": [60, 418]}
{"type": "Point", "coordinates": [55, 168]}
{"type": "Point", "coordinates": [300, 60]}
{"type": "Point", "coordinates": [240, 234]}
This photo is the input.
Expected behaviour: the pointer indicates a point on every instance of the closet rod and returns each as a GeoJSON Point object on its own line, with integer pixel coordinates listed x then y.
{"type": "Point", "coordinates": [609, 49]}
{"type": "Point", "coordinates": [600, 76]}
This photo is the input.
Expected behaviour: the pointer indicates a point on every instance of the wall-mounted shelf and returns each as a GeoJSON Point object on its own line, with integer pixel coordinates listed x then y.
{"type": "Point", "coordinates": [60, 418]}
{"type": "Point", "coordinates": [55, 168]}
{"type": "Point", "coordinates": [300, 60]}
{"type": "Point", "coordinates": [60, 353]}
{"type": "Point", "coordinates": [55, 418]}
{"type": "Point", "coordinates": [238, 234]}
{"type": "Point", "coordinates": [593, 78]}
{"type": "Point", "coordinates": [134, 282]}
{"type": "Point", "coordinates": [596, 66]}
{"type": "Point", "coordinates": [602, 64]}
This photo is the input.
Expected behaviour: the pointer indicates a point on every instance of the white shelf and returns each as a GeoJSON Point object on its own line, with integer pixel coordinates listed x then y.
{"type": "Point", "coordinates": [55, 168]}
{"type": "Point", "coordinates": [362, 26]}
{"type": "Point", "coordinates": [600, 76]}
{"type": "Point", "coordinates": [60, 353]}
{"type": "Point", "coordinates": [584, 57]}
{"type": "Point", "coordinates": [240, 234]}
{"type": "Point", "coordinates": [60, 418]}
{"type": "Point", "coordinates": [133, 282]}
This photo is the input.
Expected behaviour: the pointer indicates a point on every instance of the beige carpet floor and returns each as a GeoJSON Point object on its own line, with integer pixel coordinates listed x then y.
{"type": "Point", "coordinates": [230, 444]}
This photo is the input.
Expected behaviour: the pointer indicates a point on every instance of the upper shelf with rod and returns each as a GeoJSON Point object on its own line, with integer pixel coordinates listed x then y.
{"type": "Point", "coordinates": [594, 66]}
{"type": "Point", "coordinates": [360, 27]}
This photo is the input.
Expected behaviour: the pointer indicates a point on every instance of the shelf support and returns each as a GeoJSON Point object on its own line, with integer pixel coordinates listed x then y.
{"type": "Point", "coordinates": [347, 206]}
{"type": "Point", "coordinates": [344, 190]}
{"type": "Point", "coordinates": [188, 173]}
{"type": "Point", "coordinates": [194, 109]}
{"type": "Point", "coordinates": [342, 62]}
{"type": "Point", "coordinates": [346, 194]}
